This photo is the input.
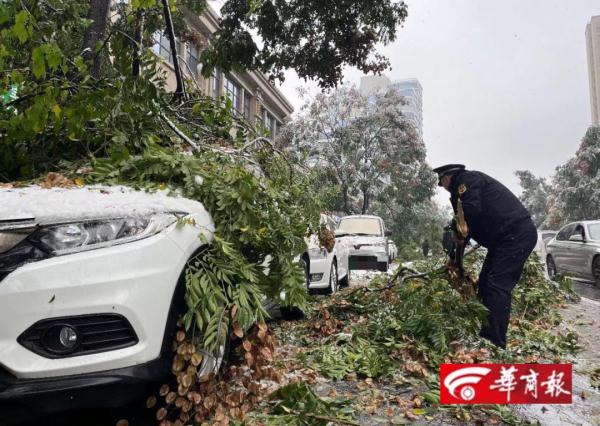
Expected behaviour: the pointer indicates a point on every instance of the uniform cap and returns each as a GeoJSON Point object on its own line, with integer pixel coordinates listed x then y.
{"type": "Point", "coordinates": [447, 169]}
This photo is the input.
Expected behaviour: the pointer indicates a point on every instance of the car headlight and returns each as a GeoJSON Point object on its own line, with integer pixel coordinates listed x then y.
{"type": "Point", "coordinates": [316, 253]}
{"type": "Point", "coordinates": [81, 236]}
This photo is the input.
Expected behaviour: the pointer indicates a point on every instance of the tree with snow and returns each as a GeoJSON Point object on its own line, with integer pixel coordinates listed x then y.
{"type": "Point", "coordinates": [576, 194]}
{"type": "Point", "coordinates": [535, 195]}
{"type": "Point", "coordinates": [370, 156]}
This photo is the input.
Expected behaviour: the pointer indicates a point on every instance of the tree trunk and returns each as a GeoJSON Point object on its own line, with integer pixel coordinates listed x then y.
{"type": "Point", "coordinates": [365, 206]}
{"type": "Point", "coordinates": [345, 194]}
{"type": "Point", "coordinates": [180, 90]}
{"type": "Point", "coordinates": [139, 31]}
{"type": "Point", "coordinates": [98, 14]}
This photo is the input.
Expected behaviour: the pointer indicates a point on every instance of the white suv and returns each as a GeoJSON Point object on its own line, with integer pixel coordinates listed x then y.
{"type": "Point", "coordinates": [368, 241]}
{"type": "Point", "coordinates": [91, 281]}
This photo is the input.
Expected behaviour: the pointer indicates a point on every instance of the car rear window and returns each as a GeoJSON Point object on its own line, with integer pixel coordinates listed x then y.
{"type": "Point", "coordinates": [368, 226]}
{"type": "Point", "coordinates": [594, 231]}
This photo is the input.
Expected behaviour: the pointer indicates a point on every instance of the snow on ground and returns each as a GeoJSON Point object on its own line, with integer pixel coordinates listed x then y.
{"type": "Point", "coordinates": [363, 277]}
{"type": "Point", "coordinates": [90, 202]}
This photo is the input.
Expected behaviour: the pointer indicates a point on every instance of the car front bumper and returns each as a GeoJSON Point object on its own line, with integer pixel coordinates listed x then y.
{"type": "Point", "coordinates": [367, 257]}
{"type": "Point", "coordinates": [136, 280]}
{"type": "Point", "coordinates": [320, 270]}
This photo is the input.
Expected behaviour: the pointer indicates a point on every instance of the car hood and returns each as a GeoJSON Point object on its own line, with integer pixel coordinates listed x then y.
{"type": "Point", "coordinates": [89, 202]}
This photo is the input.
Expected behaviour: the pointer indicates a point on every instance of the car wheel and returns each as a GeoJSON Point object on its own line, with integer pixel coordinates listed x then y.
{"type": "Point", "coordinates": [382, 266]}
{"type": "Point", "coordinates": [551, 267]}
{"type": "Point", "coordinates": [345, 282]}
{"type": "Point", "coordinates": [291, 313]}
{"type": "Point", "coordinates": [333, 279]}
{"type": "Point", "coordinates": [212, 363]}
{"type": "Point", "coordinates": [596, 270]}
{"type": "Point", "coordinates": [304, 266]}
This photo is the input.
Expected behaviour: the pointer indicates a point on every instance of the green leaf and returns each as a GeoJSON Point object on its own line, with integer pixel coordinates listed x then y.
{"type": "Point", "coordinates": [39, 62]}
{"type": "Point", "coordinates": [22, 26]}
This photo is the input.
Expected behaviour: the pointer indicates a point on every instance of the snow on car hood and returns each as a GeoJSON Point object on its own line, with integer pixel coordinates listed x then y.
{"type": "Point", "coordinates": [90, 202]}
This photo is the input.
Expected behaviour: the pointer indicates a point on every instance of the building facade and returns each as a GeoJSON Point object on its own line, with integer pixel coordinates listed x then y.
{"type": "Point", "coordinates": [592, 37]}
{"type": "Point", "coordinates": [251, 93]}
{"type": "Point", "coordinates": [410, 89]}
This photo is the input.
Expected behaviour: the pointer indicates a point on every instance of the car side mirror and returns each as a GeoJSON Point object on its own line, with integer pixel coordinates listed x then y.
{"type": "Point", "coordinates": [577, 238]}
{"type": "Point", "coordinates": [388, 233]}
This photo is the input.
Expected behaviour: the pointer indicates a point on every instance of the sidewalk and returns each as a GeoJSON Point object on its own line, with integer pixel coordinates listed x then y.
{"type": "Point", "coordinates": [583, 317]}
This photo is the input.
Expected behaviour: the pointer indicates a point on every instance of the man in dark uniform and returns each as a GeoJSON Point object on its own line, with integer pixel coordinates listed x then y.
{"type": "Point", "coordinates": [494, 217]}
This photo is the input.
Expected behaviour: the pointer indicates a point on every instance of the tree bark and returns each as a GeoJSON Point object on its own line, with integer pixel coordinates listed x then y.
{"type": "Point", "coordinates": [139, 31]}
{"type": "Point", "coordinates": [365, 206]}
{"type": "Point", "coordinates": [98, 14]}
{"type": "Point", "coordinates": [180, 90]}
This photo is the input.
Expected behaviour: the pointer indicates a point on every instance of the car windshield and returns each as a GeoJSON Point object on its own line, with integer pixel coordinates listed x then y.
{"type": "Point", "coordinates": [360, 226]}
{"type": "Point", "coordinates": [594, 231]}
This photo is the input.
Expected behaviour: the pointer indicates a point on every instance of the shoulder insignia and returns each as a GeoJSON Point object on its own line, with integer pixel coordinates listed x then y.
{"type": "Point", "coordinates": [462, 188]}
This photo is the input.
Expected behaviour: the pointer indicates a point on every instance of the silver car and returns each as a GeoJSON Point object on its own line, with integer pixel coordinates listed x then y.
{"type": "Point", "coordinates": [575, 251]}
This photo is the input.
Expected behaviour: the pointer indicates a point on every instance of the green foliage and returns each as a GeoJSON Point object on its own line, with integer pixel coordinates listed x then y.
{"type": "Point", "coordinates": [574, 195]}
{"type": "Point", "coordinates": [359, 356]}
{"type": "Point", "coordinates": [297, 404]}
{"type": "Point", "coordinates": [125, 129]}
{"type": "Point", "coordinates": [534, 196]}
{"type": "Point", "coordinates": [317, 39]}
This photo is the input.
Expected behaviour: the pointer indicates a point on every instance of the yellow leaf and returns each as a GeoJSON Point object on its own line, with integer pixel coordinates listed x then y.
{"type": "Point", "coordinates": [419, 411]}
{"type": "Point", "coordinates": [244, 229]}
{"type": "Point", "coordinates": [162, 186]}
{"type": "Point", "coordinates": [56, 110]}
{"type": "Point", "coordinates": [79, 182]}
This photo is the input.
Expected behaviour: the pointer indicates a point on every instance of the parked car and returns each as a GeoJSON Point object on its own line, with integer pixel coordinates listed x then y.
{"type": "Point", "coordinates": [575, 251]}
{"type": "Point", "coordinates": [368, 241]}
{"type": "Point", "coordinates": [326, 270]}
{"type": "Point", "coordinates": [543, 237]}
{"type": "Point", "coordinates": [91, 285]}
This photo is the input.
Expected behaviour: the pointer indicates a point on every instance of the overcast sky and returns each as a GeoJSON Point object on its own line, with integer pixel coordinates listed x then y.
{"type": "Point", "coordinates": [505, 83]}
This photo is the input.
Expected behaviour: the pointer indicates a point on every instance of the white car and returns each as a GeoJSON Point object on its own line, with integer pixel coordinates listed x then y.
{"type": "Point", "coordinates": [368, 241]}
{"type": "Point", "coordinates": [91, 284]}
{"type": "Point", "coordinates": [543, 238]}
{"type": "Point", "coordinates": [392, 250]}
{"type": "Point", "coordinates": [326, 270]}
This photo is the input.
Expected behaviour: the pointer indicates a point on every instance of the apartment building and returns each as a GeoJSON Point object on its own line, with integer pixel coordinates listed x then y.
{"type": "Point", "coordinates": [410, 89]}
{"type": "Point", "coordinates": [592, 37]}
{"type": "Point", "coordinates": [252, 95]}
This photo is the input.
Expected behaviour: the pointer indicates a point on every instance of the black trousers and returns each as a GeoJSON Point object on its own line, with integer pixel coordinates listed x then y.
{"type": "Point", "coordinates": [500, 273]}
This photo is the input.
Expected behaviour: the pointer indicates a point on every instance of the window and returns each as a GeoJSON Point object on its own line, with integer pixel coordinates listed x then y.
{"type": "Point", "coordinates": [162, 46]}
{"type": "Point", "coordinates": [232, 91]}
{"type": "Point", "coordinates": [594, 231]}
{"type": "Point", "coordinates": [194, 59]}
{"type": "Point", "coordinates": [270, 123]}
{"type": "Point", "coordinates": [579, 231]}
{"type": "Point", "coordinates": [361, 226]}
{"type": "Point", "coordinates": [247, 100]}
{"type": "Point", "coordinates": [216, 83]}
{"type": "Point", "coordinates": [565, 233]}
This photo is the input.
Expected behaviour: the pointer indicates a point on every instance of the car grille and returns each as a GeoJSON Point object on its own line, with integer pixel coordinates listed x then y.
{"type": "Point", "coordinates": [96, 333]}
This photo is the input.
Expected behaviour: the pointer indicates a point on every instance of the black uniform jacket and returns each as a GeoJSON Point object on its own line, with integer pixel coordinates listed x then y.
{"type": "Point", "coordinates": [490, 208]}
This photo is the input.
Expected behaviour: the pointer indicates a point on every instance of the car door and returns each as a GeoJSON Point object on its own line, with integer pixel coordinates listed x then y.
{"type": "Point", "coordinates": [559, 247]}
{"type": "Point", "coordinates": [576, 252]}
